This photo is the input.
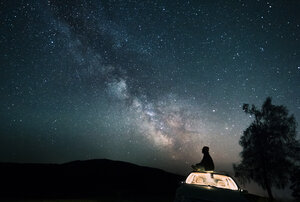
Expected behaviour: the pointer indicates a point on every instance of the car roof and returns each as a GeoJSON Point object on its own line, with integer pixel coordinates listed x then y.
{"type": "Point", "coordinates": [218, 173]}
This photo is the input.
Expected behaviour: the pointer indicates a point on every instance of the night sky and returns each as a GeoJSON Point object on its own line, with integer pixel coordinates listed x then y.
{"type": "Point", "coordinates": [149, 82]}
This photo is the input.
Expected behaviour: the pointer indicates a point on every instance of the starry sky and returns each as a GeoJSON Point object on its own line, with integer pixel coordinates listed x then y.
{"type": "Point", "coordinates": [149, 82]}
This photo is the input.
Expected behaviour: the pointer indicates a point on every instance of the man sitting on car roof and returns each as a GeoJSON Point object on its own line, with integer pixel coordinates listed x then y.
{"type": "Point", "coordinates": [206, 163]}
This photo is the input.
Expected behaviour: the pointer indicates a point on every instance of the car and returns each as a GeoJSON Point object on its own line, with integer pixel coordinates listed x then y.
{"type": "Point", "coordinates": [209, 186]}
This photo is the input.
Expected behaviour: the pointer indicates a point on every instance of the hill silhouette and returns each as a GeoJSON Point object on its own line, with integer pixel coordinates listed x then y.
{"type": "Point", "coordinates": [82, 179]}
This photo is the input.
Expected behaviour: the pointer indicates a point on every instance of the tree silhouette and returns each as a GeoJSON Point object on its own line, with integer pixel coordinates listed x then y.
{"type": "Point", "coordinates": [269, 147]}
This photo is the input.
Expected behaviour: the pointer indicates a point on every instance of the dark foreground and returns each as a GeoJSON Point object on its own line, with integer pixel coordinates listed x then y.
{"type": "Point", "coordinates": [92, 180]}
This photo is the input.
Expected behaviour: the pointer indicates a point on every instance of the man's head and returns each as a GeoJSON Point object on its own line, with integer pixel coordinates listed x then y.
{"type": "Point", "coordinates": [205, 150]}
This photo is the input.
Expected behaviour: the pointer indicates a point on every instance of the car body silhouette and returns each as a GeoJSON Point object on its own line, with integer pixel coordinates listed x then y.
{"type": "Point", "coordinates": [209, 186]}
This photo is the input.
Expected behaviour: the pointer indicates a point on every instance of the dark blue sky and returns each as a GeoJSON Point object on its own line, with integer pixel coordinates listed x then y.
{"type": "Point", "coordinates": [148, 82]}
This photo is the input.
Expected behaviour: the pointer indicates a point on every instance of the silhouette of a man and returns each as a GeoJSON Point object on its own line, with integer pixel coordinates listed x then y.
{"type": "Point", "coordinates": [207, 163]}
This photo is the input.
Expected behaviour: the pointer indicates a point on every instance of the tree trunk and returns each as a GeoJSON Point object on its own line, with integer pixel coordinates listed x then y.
{"type": "Point", "coordinates": [267, 185]}
{"type": "Point", "coordinates": [269, 190]}
{"type": "Point", "coordinates": [265, 177]}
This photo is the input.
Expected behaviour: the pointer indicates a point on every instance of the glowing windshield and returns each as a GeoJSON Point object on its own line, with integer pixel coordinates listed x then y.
{"type": "Point", "coordinates": [211, 179]}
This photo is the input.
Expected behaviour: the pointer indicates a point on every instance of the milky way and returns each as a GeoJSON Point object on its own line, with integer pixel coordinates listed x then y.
{"type": "Point", "coordinates": [140, 81]}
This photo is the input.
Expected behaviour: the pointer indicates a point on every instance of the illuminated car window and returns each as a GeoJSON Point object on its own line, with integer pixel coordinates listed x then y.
{"type": "Point", "coordinates": [211, 179]}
